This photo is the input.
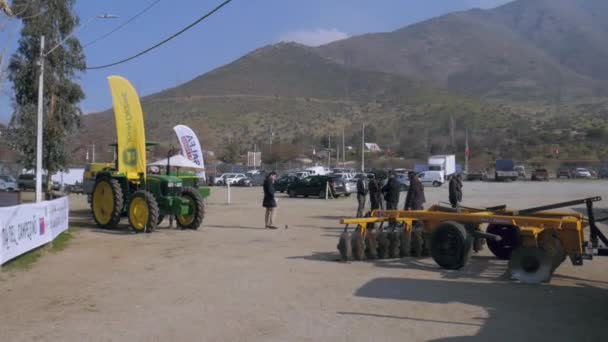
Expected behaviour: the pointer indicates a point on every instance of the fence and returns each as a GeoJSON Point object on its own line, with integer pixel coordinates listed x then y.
{"type": "Point", "coordinates": [29, 226]}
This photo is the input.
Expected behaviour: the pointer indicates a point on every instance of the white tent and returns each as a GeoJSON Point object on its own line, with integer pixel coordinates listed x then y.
{"type": "Point", "coordinates": [178, 161]}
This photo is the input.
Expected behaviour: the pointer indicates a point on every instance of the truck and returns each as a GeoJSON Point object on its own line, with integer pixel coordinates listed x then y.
{"type": "Point", "coordinates": [446, 164]}
{"type": "Point", "coordinates": [505, 170]}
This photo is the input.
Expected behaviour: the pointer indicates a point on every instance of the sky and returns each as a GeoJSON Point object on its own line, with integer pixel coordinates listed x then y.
{"type": "Point", "coordinates": [240, 27]}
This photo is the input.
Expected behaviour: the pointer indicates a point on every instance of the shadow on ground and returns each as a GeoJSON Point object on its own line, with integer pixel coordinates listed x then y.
{"type": "Point", "coordinates": [516, 312]}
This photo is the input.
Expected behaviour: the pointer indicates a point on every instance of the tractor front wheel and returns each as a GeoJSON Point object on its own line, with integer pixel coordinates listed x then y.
{"type": "Point", "coordinates": [195, 218]}
{"type": "Point", "coordinates": [143, 212]}
{"type": "Point", "coordinates": [107, 203]}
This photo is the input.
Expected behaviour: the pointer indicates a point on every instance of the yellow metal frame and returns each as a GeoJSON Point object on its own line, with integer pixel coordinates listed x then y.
{"type": "Point", "coordinates": [567, 226]}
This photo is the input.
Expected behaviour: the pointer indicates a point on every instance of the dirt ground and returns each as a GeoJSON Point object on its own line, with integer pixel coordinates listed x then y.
{"type": "Point", "coordinates": [235, 281]}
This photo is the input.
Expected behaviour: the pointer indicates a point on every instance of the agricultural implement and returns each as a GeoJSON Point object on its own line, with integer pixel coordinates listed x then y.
{"type": "Point", "coordinates": [535, 240]}
{"type": "Point", "coordinates": [124, 188]}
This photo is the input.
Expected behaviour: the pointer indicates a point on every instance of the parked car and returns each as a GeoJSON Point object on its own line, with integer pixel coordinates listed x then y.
{"type": "Point", "coordinates": [243, 181]}
{"type": "Point", "coordinates": [316, 186]}
{"type": "Point", "coordinates": [234, 178]}
{"type": "Point", "coordinates": [8, 183]}
{"type": "Point", "coordinates": [581, 172]}
{"type": "Point", "coordinates": [540, 174]}
{"type": "Point", "coordinates": [303, 174]}
{"type": "Point", "coordinates": [221, 179]}
{"type": "Point", "coordinates": [434, 178]}
{"type": "Point", "coordinates": [283, 182]}
{"type": "Point", "coordinates": [27, 181]}
{"type": "Point", "coordinates": [476, 176]}
{"type": "Point", "coordinates": [563, 172]}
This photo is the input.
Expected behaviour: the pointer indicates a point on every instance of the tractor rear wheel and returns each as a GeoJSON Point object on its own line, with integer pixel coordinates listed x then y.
{"type": "Point", "coordinates": [193, 220]}
{"type": "Point", "coordinates": [451, 245]}
{"type": "Point", "coordinates": [143, 212]}
{"type": "Point", "coordinates": [107, 203]}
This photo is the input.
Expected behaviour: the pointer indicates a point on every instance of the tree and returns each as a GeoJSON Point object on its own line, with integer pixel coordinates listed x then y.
{"type": "Point", "coordinates": [55, 20]}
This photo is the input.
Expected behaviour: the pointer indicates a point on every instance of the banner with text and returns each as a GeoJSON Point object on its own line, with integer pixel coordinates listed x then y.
{"type": "Point", "coordinates": [29, 226]}
{"type": "Point", "coordinates": [191, 146]}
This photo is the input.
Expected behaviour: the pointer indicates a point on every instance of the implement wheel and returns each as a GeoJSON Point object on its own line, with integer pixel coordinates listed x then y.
{"type": "Point", "coordinates": [107, 203]}
{"type": "Point", "coordinates": [143, 212]}
{"type": "Point", "coordinates": [383, 244]}
{"type": "Point", "coordinates": [451, 245]}
{"type": "Point", "coordinates": [393, 245]}
{"type": "Point", "coordinates": [344, 246]}
{"type": "Point", "coordinates": [510, 240]}
{"type": "Point", "coordinates": [193, 220]}
{"type": "Point", "coordinates": [405, 244]}
{"type": "Point", "coordinates": [357, 245]}
{"type": "Point", "coordinates": [371, 245]}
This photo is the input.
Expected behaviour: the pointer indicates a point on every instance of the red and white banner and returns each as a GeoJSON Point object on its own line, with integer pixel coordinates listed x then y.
{"type": "Point", "coordinates": [28, 226]}
{"type": "Point", "coordinates": [191, 147]}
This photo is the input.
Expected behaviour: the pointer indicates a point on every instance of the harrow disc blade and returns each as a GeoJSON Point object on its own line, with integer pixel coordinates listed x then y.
{"type": "Point", "coordinates": [344, 246]}
{"type": "Point", "coordinates": [530, 265]}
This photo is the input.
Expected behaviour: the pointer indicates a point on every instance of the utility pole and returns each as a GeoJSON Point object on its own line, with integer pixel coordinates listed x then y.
{"type": "Point", "coordinates": [452, 132]}
{"type": "Point", "coordinates": [39, 123]}
{"type": "Point", "coordinates": [466, 151]}
{"type": "Point", "coordinates": [329, 151]}
{"type": "Point", "coordinates": [343, 149]}
{"type": "Point", "coordinates": [363, 149]}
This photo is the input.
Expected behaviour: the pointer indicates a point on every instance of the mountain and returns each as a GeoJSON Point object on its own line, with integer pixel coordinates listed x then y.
{"type": "Point", "coordinates": [525, 50]}
{"type": "Point", "coordinates": [522, 78]}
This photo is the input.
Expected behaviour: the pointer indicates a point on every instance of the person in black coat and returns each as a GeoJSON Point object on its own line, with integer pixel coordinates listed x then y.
{"type": "Point", "coordinates": [455, 191]}
{"type": "Point", "coordinates": [362, 190]}
{"type": "Point", "coordinates": [269, 201]}
{"type": "Point", "coordinates": [375, 194]}
{"type": "Point", "coordinates": [391, 192]}
{"type": "Point", "coordinates": [415, 194]}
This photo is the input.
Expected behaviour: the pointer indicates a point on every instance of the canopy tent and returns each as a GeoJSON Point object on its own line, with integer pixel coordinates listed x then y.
{"type": "Point", "coordinates": [177, 161]}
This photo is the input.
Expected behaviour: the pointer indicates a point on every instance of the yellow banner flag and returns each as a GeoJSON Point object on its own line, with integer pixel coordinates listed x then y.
{"type": "Point", "coordinates": [130, 132]}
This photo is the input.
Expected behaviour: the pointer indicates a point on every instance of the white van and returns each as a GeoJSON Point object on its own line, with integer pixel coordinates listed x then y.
{"type": "Point", "coordinates": [434, 178]}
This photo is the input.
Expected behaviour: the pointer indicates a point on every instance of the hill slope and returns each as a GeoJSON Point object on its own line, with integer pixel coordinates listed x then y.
{"type": "Point", "coordinates": [525, 50]}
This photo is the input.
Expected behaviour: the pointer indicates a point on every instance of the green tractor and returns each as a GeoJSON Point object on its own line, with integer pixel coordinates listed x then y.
{"type": "Point", "coordinates": [125, 188]}
{"type": "Point", "coordinates": [147, 199]}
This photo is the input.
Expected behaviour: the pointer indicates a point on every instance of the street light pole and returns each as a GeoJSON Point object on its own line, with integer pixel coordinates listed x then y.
{"type": "Point", "coordinates": [39, 118]}
{"type": "Point", "coordinates": [39, 123]}
{"type": "Point", "coordinates": [363, 149]}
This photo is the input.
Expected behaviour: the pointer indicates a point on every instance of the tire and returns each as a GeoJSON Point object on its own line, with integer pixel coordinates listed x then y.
{"type": "Point", "coordinates": [344, 247]}
{"type": "Point", "coordinates": [371, 245]}
{"type": "Point", "coordinates": [510, 240]}
{"type": "Point", "coordinates": [192, 221]}
{"type": "Point", "coordinates": [393, 245]}
{"type": "Point", "coordinates": [382, 241]}
{"type": "Point", "coordinates": [107, 203]}
{"type": "Point", "coordinates": [405, 244]}
{"type": "Point", "coordinates": [143, 212]}
{"type": "Point", "coordinates": [436, 184]}
{"type": "Point", "coordinates": [357, 245]}
{"type": "Point", "coordinates": [292, 193]}
{"type": "Point", "coordinates": [417, 241]}
{"type": "Point", "coordinates": [451, 245]}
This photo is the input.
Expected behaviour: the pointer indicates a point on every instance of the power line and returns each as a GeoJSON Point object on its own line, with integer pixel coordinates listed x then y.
{"type": "Point", "coordinates": [142, 12]}
{"type": "Point", "coordinates": [165, 40]}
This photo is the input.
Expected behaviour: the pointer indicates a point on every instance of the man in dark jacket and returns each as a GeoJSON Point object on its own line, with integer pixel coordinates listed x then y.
{"type": "Point", "coordinates": [455, 191]}
{"type": "Point", "coordinates": [362, 190]}
{"type": "Point", "coordinates": [414, 201]}
{"type": "Point", "coordinates": [391, 193]}
{"type": "Point", "coordinates": [375, 194]}
{"type": "Point", "coordinates": [269, 201]}
{"type": "Point", "coordinates": [415, 194]}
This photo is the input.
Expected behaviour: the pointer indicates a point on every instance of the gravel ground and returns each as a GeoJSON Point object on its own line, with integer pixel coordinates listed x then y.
{"type": "Point", "coordinates": [235, 281]}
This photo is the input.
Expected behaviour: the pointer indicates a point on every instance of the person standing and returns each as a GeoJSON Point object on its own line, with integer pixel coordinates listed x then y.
{"type": "Point", "coordinates": [415, 194]}
{"type": "Point", "coordinates": [391, 192]}
{"type": "Point", "coordinates": [269, 201]}
{"type": "Point", "coordinates": [362, 190]}
{"type": "Point", "coordinates": [375, 194]}
{"type": "Point", "coordinates": [414, 201]}
{"type": "Point", "coordinates": [455, 192]}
